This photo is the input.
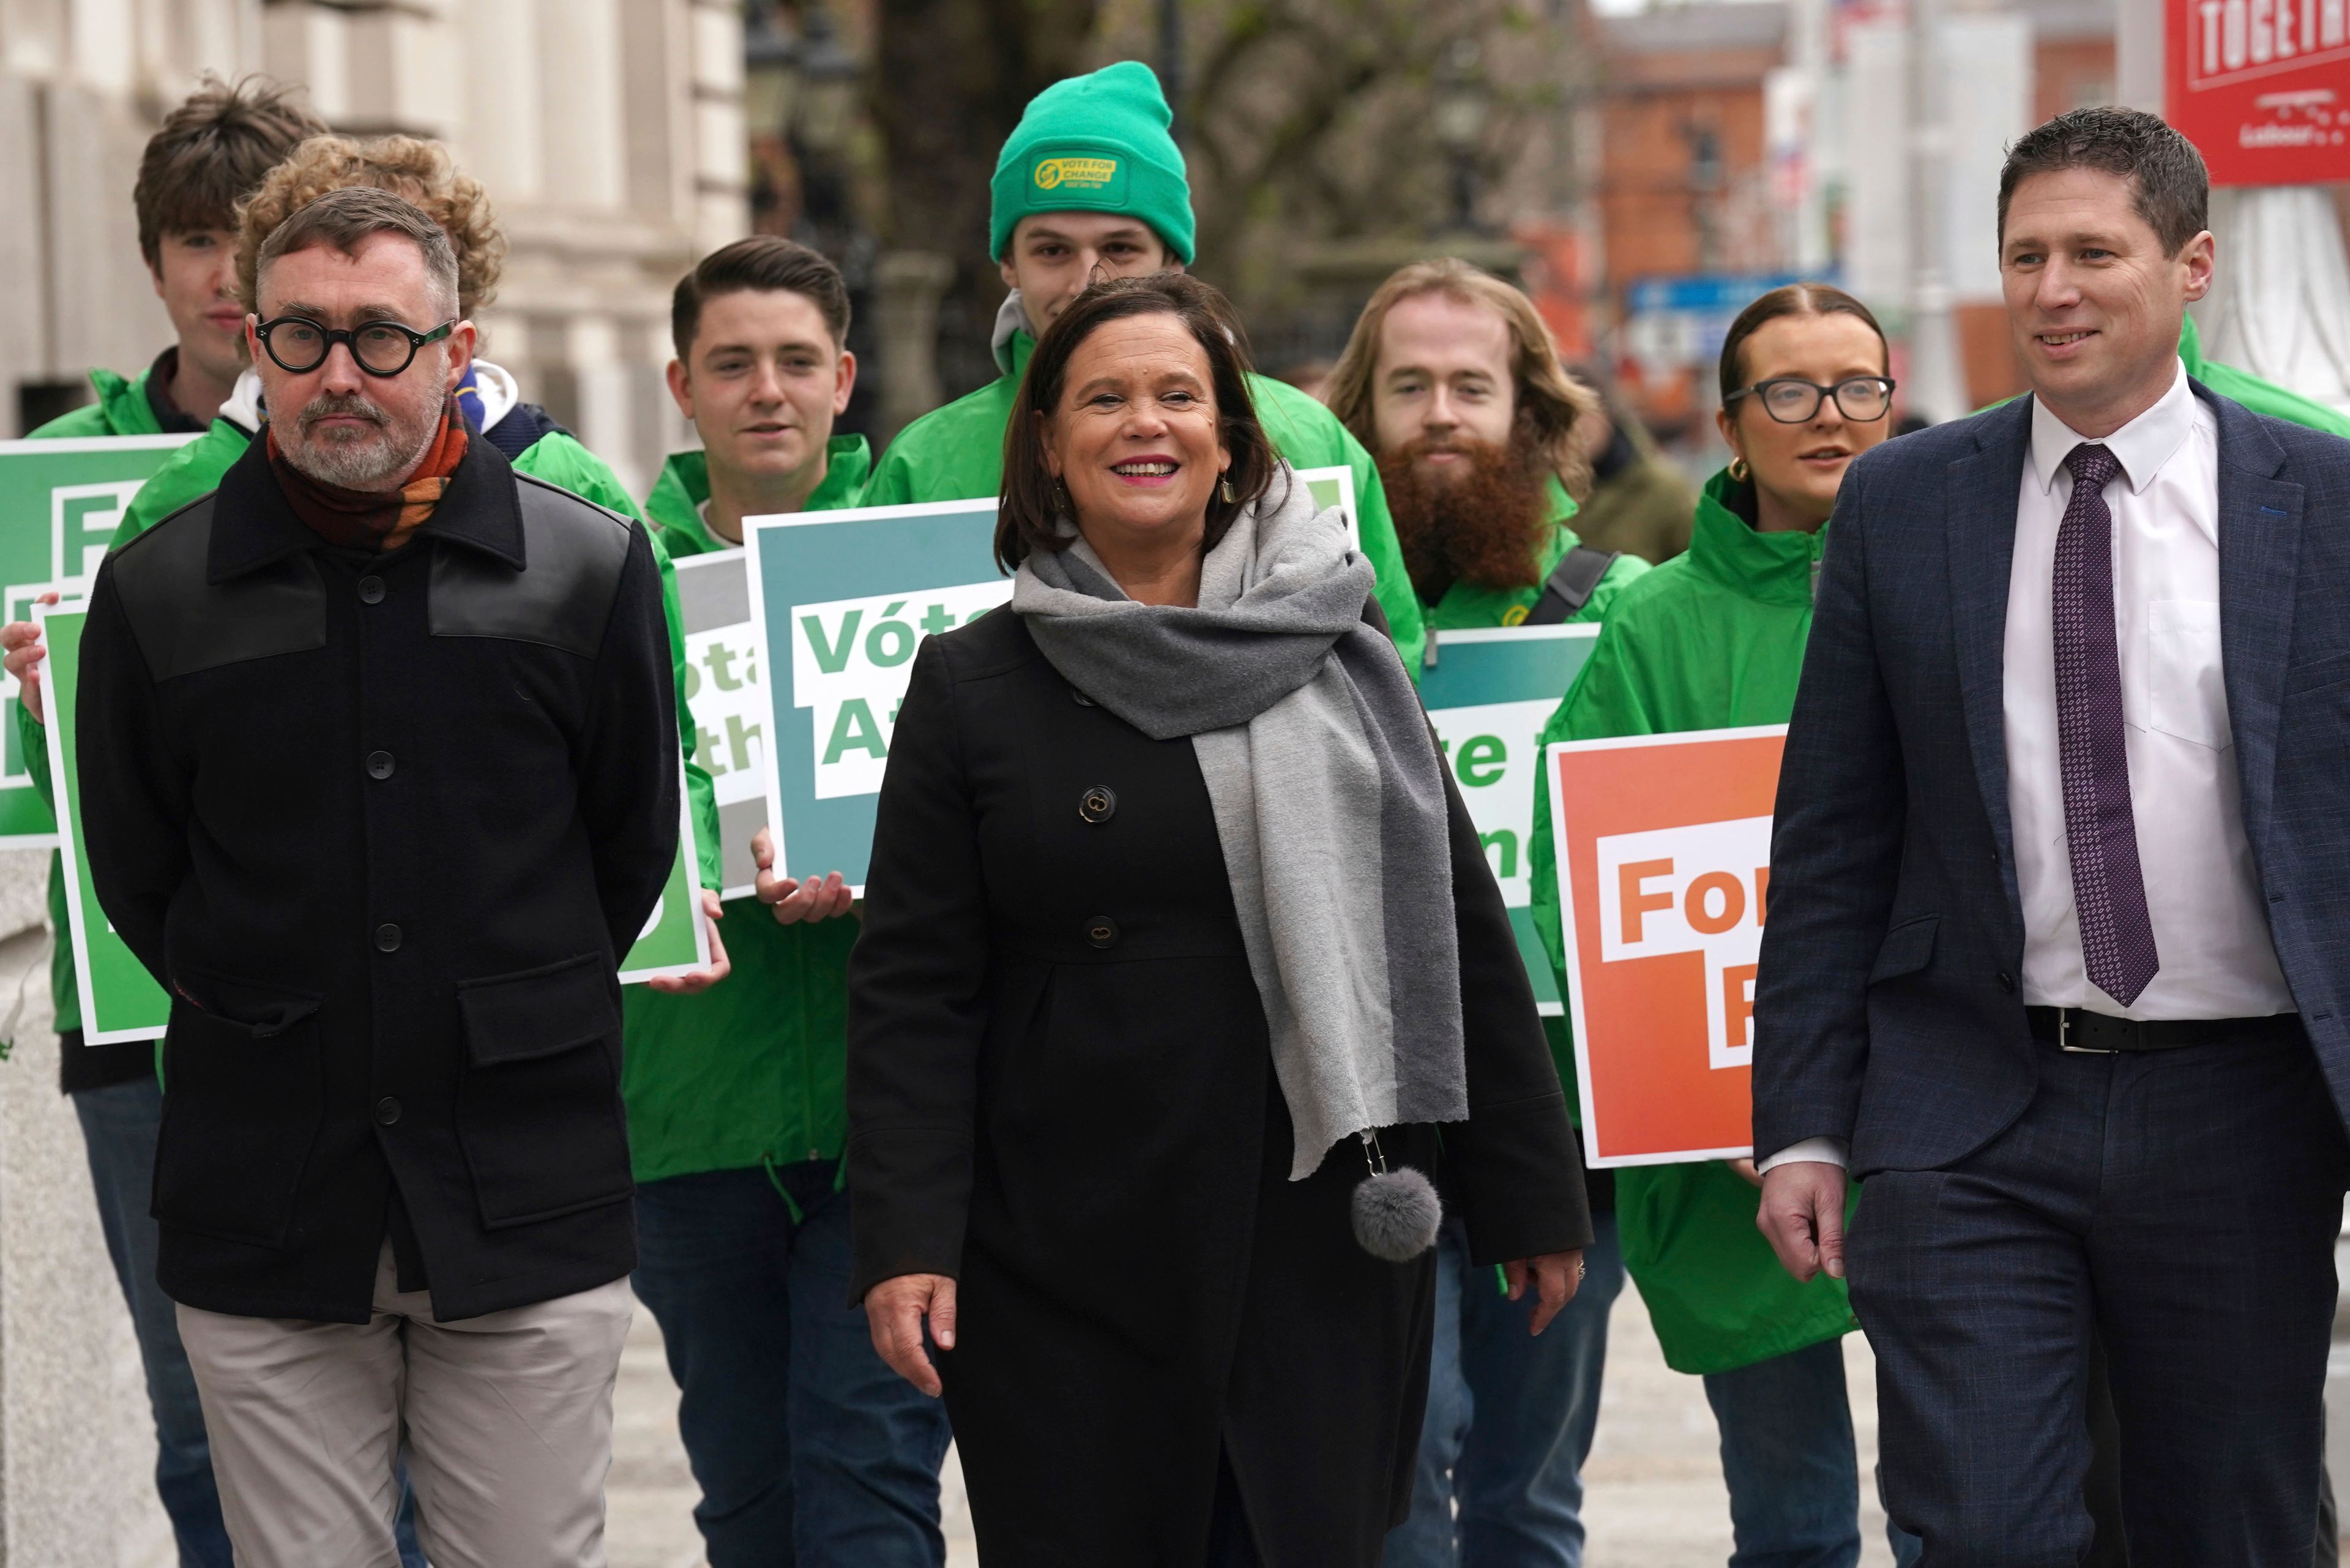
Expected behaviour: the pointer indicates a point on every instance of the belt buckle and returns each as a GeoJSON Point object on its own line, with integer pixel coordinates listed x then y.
{"type": "Point", "coordinates": [2065, 1036]}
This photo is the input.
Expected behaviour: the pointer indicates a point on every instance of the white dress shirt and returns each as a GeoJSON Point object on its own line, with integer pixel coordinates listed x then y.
{"type": "Point", "coordinates": [2202, 894]}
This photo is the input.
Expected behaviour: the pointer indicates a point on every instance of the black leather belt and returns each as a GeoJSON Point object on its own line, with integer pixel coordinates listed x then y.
{"type": "Point", "coordinates": [2075, 1029]}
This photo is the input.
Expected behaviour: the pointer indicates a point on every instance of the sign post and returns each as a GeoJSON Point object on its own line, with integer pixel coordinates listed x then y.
{"type": "Point", "coordinates": [1664, 865]}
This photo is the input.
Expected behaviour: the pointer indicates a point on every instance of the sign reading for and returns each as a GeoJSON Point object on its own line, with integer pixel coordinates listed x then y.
{"type": "Point", "coordinates": [60, 502]}
{"type": "Point", "coordinates": [1489, 694]}
{"type": "Point", "coordinates": [1664, 865]}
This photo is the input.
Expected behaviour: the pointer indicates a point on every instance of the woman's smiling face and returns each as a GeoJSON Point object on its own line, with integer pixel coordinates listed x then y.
{"type": "Point", "coordinates": [1134, 436]}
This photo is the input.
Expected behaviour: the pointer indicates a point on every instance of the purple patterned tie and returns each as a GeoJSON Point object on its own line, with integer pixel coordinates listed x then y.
{"type": "Point", "coordinates": [2108, 888]}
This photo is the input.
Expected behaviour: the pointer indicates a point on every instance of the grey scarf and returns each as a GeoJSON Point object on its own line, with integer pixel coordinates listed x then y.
{"type": "Point", "coordinates": [1328, 794]}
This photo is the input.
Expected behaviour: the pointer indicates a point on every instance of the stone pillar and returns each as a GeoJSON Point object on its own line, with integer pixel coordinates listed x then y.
{"type": "Point", "coordinates": [911, 285]}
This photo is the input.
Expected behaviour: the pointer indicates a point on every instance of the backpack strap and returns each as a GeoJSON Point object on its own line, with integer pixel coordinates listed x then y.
{"type": "Point", "coordinates": [1571, 585]}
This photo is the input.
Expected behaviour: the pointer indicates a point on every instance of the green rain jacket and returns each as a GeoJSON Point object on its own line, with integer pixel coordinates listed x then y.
{"type": "Point", "coordinates": [753, 1072]}
{"type": "Point", "coordinates": [1712, 638]}
{"type": "Point", "coordinates": [956, 452]}
{"type": "Point", "coordinates": [1467, 605]}
{"type": "Point", "coordinates": [122, 409]}
{"type": "Point", "coordinates": [2260, 397]}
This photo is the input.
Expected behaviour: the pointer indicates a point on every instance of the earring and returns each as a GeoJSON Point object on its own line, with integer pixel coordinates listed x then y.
{"type": "Point", "coordinates": [1229, 497]}
{"type": "Point", "coordinates": [1739, 470]}
{"type": "Point", "coordinates": [1060, 498]}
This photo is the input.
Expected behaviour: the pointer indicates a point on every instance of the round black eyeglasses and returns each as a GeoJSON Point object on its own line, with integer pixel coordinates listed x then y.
{"type": "Point", "coordinates": [301, 345]}
{"type": "Point", "coordinates": [1791, 400]}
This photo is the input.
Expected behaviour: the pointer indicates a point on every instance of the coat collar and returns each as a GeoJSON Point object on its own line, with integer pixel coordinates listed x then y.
{"type": "Point", "coordinates": [253, 525]}
{"type": "Point", "coordinates": [1769, 569]}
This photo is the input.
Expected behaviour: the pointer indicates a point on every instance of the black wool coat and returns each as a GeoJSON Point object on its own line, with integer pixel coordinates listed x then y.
{"type": "Point", "coordinates": [380, 825]}
{"type": "Point", "coordinates": [1061, 1093]}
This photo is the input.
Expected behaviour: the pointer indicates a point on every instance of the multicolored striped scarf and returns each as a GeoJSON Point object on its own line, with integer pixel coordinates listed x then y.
{"type": "Point", "coordinates": [385, 519]}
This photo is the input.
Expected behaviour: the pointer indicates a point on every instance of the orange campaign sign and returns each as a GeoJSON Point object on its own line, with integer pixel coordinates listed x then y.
{"type": "Point", "coordinates": [1664, 864]}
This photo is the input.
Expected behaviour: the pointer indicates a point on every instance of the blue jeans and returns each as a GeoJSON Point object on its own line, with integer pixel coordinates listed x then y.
{"type": "Point", "coordinates": [1787, 1458]}
{"type": "Point", "coordinates": [120, 1124]}
{"type": "Point", "coordinates": [808, 1448]}
{"type": "Point", "coordinates": [1510, 1417]}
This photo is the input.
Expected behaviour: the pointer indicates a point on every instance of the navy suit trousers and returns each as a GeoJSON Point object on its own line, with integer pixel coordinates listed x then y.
{"type": "Point", "coordinates": [2184, 1202]}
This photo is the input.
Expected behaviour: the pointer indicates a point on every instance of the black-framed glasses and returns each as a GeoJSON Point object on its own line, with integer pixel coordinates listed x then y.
{"type": "Point", "coordinates": [301, 345]}
{"type": "Point", "coordinates": [1791, 400]}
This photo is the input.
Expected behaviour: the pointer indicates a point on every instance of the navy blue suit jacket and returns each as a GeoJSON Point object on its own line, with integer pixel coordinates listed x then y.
{"type": "Point", "coordinates": [1888, 1010]}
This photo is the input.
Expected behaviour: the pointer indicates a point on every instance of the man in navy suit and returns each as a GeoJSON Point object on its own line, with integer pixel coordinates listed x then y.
{"type": "Point", "coordinates": [2058, 961]}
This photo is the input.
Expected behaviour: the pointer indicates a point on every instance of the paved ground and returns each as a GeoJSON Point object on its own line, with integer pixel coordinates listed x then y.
{"type": "Point", "coordinates": [1655, 1497]}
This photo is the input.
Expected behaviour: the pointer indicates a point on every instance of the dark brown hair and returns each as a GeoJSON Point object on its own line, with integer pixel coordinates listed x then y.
{"type": "Point", "coordinates": [1029, 516]}
{"type": "Point", "coordinates": [212, 149]}
{"type": "Point", "coordinates": [2172, 188]}
{"type": "Point", "coordinates": [1789, 299]}
{"type": "Point", "coordinates": [761, 262]}
{"type": "Point", "coordinates": [341, 219]}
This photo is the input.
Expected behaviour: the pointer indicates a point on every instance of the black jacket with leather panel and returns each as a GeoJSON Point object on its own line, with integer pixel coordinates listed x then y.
{"type": "Point", "coordinates": [381, 825]}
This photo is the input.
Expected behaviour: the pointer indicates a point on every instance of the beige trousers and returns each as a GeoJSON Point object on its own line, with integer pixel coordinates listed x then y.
{"type": "Point", "coordinates": [508, 1420]}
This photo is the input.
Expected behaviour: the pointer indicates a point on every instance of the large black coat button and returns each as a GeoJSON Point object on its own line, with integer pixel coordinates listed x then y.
{"type": "Point", "coordinates": [2006, 981]}
{"type": "Point", "coordinates": [379, 765]}
{"type": "Point", "coordinates": [1101, 931]}
{"type": "Point", "coordinates": [387, 939]}
{"type": "Point", "coordinates": [1079, 698]}
{"type": "Point", "coordinates": [1098, 803]}
{"type": "Point", "coordinates": [371, 590]}
{"type": "Point", "coordinates": [387, 1111]}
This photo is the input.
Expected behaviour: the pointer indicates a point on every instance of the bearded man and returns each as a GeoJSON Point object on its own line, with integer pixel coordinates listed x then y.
{"type": "Point", "coordinates": [1453, 382]}
{"type": "Point", "coordinates": [379, 772]}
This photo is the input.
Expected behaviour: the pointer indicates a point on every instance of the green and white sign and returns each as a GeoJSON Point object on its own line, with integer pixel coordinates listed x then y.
{"type": "Point", "coordinates": [725, 667]}
{"type": "Point", "coordinates": [840, 601]}
{"type": "Point", "coordinates": [1489, 695]}
{"type": "Point", "coordinates": [60, 502]}
{"type": "Point", "coordinates": [121, 1001]}
{"type": "Point", "coordinates": [676, 939]}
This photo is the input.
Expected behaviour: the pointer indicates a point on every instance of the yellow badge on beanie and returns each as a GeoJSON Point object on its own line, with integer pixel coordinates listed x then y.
{"type": "Point", "coordinates": [1088, 174]}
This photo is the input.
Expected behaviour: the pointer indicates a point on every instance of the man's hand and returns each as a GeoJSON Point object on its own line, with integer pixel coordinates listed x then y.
{"type": "Point", "coordinates": [21, 639]}
{"type": "Point", "coordinates": [817, 899]}
{"type": "Point", "coordinates": [1802, 1217]}
{"type": "Point", "coordinates": [1556, 1276]}
{"type": "Point", "coordinates": [894, 1311]}
{"type": "Point", "coordinates": [700, 980]}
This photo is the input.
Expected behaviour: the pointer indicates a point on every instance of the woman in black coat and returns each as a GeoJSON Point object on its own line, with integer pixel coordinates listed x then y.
{"type": "Point", "coordinates": [1175, 932]}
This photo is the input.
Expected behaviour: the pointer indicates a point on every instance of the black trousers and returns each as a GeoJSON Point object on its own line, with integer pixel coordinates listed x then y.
{"type": "Point", "coordinates": [2181, 1206]}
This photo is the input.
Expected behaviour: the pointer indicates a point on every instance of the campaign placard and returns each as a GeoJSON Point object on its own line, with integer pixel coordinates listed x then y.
{"type": "Point", "coordinates": [2259, 86]}
{"type": "Point", "coordinates": [60, 502]}
{"type": "Point", "coordinates": [121, 1001]}
{"type": "Point", "coordinates": [1664, 865]}
{"type": "Point", "coordinates": [726, 666]}
{"type": "Point", "coordinates": [1489, 694]}
{"type": "Point", "coordinates": [839, 602]}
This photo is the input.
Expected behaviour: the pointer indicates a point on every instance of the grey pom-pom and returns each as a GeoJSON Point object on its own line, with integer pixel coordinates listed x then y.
{"type": "Point", "coordinates": [1396, 1213]}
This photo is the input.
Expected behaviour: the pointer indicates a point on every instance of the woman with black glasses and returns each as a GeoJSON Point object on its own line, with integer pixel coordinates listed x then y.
{"type": "Point", "coordinates": [1713, 638]}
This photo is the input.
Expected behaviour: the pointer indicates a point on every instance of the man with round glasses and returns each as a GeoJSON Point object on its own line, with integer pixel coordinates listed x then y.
{"type": "Point", "coordinates": [378, 762]}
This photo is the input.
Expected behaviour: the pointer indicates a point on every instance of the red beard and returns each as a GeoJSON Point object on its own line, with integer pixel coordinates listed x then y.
{"type": "Point", "coordinates": [1485, 523]}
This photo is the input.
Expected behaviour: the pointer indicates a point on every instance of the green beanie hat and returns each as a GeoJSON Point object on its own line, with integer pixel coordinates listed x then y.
{"type": "Point", "coordinates": [1095, 144]}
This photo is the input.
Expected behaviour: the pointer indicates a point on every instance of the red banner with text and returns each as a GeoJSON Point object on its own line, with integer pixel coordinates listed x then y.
{"type": "Point", "coordinates": [2262, 88]}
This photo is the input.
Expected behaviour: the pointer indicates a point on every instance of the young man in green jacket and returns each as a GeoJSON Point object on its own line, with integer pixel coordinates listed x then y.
{"type": "Point", "coordinates": [806, 1445]}
{"type": "Point", "coordinates": [211, 150]}
{"type": "Point", "coordinates": [1091, 184]}
{"type": "Point", "coordinates": [1454, 383]}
